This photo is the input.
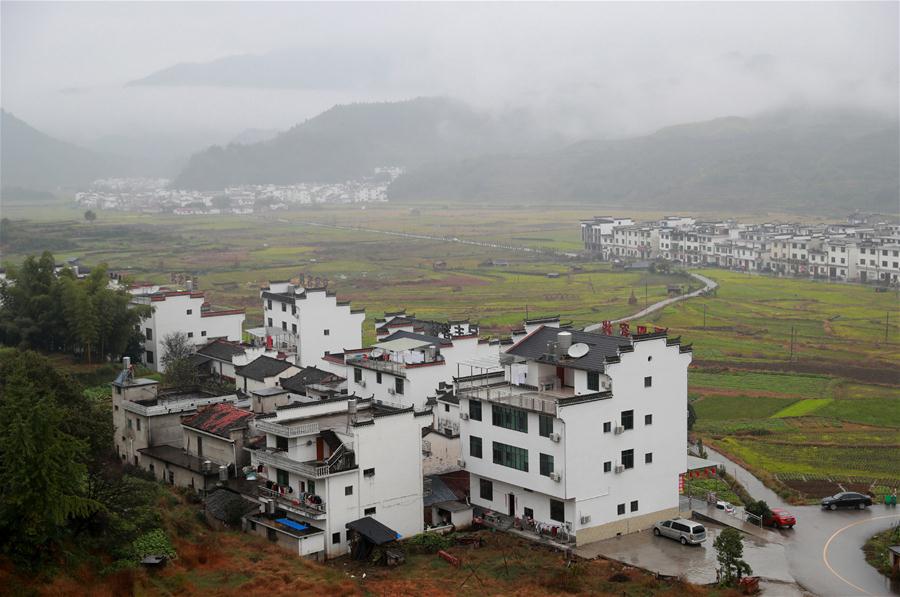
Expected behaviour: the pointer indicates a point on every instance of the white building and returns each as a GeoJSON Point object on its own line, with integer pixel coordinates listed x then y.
{"type": "Point", "coordinates": [326, 463]}
{"type": "Point", "coordinates": [185, 312]}
{"type": "Point", "coordinates": [592, 443]}
{"type": "Point", "coordinates": [309, 322]}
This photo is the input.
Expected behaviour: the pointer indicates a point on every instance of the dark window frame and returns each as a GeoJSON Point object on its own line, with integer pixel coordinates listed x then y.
{"type": "Point", "coordinates": [474, 441]}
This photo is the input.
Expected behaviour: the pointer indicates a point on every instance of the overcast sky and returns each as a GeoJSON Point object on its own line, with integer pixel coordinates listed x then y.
{"type": "Point", "coordinates": [604, 68]}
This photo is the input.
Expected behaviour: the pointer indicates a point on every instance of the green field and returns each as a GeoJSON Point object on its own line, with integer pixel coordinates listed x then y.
{"type": "Point", "coordinates": [780, 408]}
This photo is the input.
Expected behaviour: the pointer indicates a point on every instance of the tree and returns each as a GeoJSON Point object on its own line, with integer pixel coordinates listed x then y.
{"type": "Point", "coordinates": [90, 216]}
{"type": "Point", "coordinates": [691, 416]}
{"type": "Point", "coordinates": [729, 553]}
{"type": "Point", "coordinates": [759, 508]}
{"type": "Point", "coordinates": [176, 361]}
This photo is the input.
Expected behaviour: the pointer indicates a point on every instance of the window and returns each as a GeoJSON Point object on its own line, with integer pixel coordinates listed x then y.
{"type": "Point", "coordinates": [348, 490]}
{"type": "Point", "coordinates": [138, 421]}
{"type": "Point", "coordinates": [252, 525]}
{"type": "Point", "coordinates": [648, 419]}
{"type": "Point", "coordinates": [398, 385]}
{"type": "Point", "coordinates": [634, 506]}
{"type": "Point", "coordinates": [648, 458]}
{"type": "Point", "coordinates": [446, 408]}
{"type": "Point", "coordinates": [528, 513]}
{"type": "Point", "coordinates": [128, 423]}
{"type": "Point", "coordinates": [620, 509]}
{"type": "Point", "coordinates": [203, 333]}
{"type": "Point", "coordinates": [546, 464]}
{"type": "Point", "coordinates": [284, 326]}
{"type": "Point", "coordinates": [283, 307]}
{"type": "Point", "coordinates": [648, 381]}
{"type": "Point", "coordinates": [270, 322]}
{"type": "Point", "coordinates": [607, 466]}
{"type": "Point", "coordinates": [148, 333]}
{"type": "Point", "coordinates": [378, 377]}
{"type": "Point", "coordinates": [486, 490]}
{"type": "Point", "coordinates": [294, 328]}
{"type": "Point", "coordinates": [593, 380]}
{"type": "Point", "coordinates": [509, 418]}
{"type": "Point", "coordinates": [607, 427]}
{"type": "Point", "coordinates": [336, 537]}
{"type": "Point", "coordinates": [200, 446]}
{"type": "Point", "coordinates": [293, 309]}
{"type": "Point", "coordinates": [557, 511]}
{"type": "Point", "coordinates": [474, 446]}
{"type": "Point", "coordinates": [511, 456]}
{"type": "Point", "coordinates": [272, 535]}
{"type": "Point", "coordinates": [627, 419]}
{"type": "Point", "coordinates": [281, 443]}
{"type": "Point", "coordinates": [190, 334]}
{"type": "Point", "coordinates": [327, 332]}
{"type": "Point", "coordinates": [545, 425]}
{"type": "Point", "coordinates": [628, 458]}
{"type": "Point", "coordinates": [475, 410]}
{"type": "Point", "coordinates": [149, 355]}
{"type": "Point", "coordinates": [357, 374]}
{"type": "Point", "coordinates": [269, 304]}
{"type": "Point", "coordinates": [369, 472]}
{"type": "Point", "coordinates": [282, 477]}
{"type": "Point", "coordinates": [190, 311]}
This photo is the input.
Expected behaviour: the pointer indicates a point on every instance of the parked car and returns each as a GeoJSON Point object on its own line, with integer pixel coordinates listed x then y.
{"type": "Point", "coordinates": [681, 529]}
{"type": "Point", "coordinates": [780, 519]}
{"type": "Point", "coordinates": [726, 506]}
{"type": "Point", "coordinates": [847, 499]}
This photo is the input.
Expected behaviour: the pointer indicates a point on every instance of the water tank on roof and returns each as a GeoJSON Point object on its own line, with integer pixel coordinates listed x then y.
{"type": "Point", "coordinates": [563, 342]}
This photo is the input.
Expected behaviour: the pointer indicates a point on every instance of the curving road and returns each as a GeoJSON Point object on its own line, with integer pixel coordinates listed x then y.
{"type": "Point", "coordinates": [824, 551]}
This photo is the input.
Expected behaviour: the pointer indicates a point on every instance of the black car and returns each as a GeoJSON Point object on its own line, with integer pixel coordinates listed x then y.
{"type": "Point", "coordinates": [847, 499]}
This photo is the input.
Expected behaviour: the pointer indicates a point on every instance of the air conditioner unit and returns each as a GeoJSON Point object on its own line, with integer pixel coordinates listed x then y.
{"type": "Point", "coordinates": [554, 476]}
{"type": "Point", "coordinates": [619, 430]}
{"type": "Point", "coordinates": [461, 463]}
{"type": "Point", "coordinates": [392, 391]}
{"type": "Point", "coordinates": [620, 468]}
{"type": "Point", "coordinates": [464, 416]}
{"type": "Point", "coordinates": [585, 519]}
{"type": "Point", "coordinates": [554, 437]}
{"type": "Point", "coordinates": [606, 384]}
{"type": "Point", "coordinates": [361, 383]}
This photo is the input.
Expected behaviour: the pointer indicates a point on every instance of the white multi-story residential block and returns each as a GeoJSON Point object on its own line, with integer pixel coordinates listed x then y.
{"type": "Point", "coordinates": [585, 431]}
{"type": "Point", "coordinates": [309, 322]}
{"type": "Point", "coordinates": [878, 262]}
{"type": "Point", "coordinates": [327, 463]}
{"type": "Point", "coordinates": [597, 234]}
{"type": "Point", "coordinates": [184, 312]}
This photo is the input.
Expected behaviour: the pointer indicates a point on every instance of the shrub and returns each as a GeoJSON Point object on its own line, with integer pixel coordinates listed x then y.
{"type": "Point", "coordinates": [153, 543]}
{"type": "Point", "coordinates": [429, 543]}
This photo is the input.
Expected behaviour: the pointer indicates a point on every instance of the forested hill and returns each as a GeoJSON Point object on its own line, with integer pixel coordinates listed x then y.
{"type": "Point", "coordinates": [33, 160]}
{"type": "Point", "coordinates": [349, 141]}
{"type": "Point", "coordinates": [790, 161]}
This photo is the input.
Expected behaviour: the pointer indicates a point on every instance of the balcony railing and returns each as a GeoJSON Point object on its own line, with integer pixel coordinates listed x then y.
{"type": "Point", "coordinates": [287, 430]}
{"type": "Point", "coordinates": [164, 406]}
{"type": "Point", "coordinates": [514, 396]}
{"type": "Point", "coordinates": [309, 470]}
{"type": "Point", "coordinates": [316, 511]}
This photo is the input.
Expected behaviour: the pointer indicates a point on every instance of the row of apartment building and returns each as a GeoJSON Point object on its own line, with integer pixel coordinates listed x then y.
{"type": "Point", "coordinates": [326, 443]}
{"type": "Point", "coordinates": [860, 250]}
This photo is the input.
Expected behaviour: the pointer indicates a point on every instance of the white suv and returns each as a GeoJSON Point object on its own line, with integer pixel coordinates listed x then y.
{"type": "Point", "coordinates": [681, 529]}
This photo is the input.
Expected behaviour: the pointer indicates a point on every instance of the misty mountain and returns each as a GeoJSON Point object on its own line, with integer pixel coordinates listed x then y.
{"type": "Point", "coordinates": [332, 68]}
{"type": "Point", "coordinates": [33, 160]}
{"type": "Point", "coordinates": [156, 153]}
{"type": "Point", "coordinates": [790, 160]}
{"type": "Point", "coordinates": [250, 136]}
{"type": "Point", "coordinates": [349, 141]}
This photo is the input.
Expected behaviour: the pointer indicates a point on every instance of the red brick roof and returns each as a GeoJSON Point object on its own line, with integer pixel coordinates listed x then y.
{"type": "Point", "coordinates": [219, 419]}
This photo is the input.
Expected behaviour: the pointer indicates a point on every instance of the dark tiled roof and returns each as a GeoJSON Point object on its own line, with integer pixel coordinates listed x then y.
{"type": "Point", "coordinates": [219, 419]}
{"type": "Point", "coordinates": [178, 457]}
{"type": "Point", "coordinates": [309, 375]}
{"type": "Point", "coordinates": [263, 367]}
{"type": "Point", "coordinates": [412, 335]}
{"type": "Point", "coordinates": [440, 492]}
{"type": "Point", "coordinates": [198, 359]}
{"type": "Point", "coordinates": [373, 530]}
{"type": "Point", "coordinates": [534, 347]}
{"type": "Point", "coordinates": [222, 350]}
{"type": "Point", "coordinates": [220, 502]}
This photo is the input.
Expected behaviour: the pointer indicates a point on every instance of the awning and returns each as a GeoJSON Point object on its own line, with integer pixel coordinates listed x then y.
{"type": "Point", "coordinates": [373, 530]}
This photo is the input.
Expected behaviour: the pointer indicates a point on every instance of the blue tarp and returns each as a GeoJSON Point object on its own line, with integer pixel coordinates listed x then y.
{"type": "Point", "coordinates": [292, 524]}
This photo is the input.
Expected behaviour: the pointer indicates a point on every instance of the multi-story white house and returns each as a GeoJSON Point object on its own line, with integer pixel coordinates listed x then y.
{"type": "Point", "coordinates": [879, 262]}
{"type": "Point", "coordinates": [327, 463]}
{"type": "Point", "coordinates": [309, 322]}
{"type": "Point", "coordinates": [597, 234]}
{"type": "Point", "coordinates": [585, 431]}
{"type": "Point", "coordinates": [185, 312]}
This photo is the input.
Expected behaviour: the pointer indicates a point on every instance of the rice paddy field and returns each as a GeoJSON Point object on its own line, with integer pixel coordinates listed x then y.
{"type": "Point", "coordinates": [823, 408]}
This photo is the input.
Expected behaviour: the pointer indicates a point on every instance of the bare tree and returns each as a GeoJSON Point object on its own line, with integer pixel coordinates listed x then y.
{"type": "Point", "coordinates": [177, 350]}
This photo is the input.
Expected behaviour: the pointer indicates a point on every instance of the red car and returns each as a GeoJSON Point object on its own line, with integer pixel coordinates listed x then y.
{"type": "Point", "coordinates": [780, 519]}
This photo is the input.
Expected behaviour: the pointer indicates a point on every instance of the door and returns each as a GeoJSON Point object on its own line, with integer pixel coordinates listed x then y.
{"type": "Point", "coordinates": [512, 504]}
{"type": "Point", "coordinates": [320, 449]}
{"type": "Point", "coordinates": [561, 376]}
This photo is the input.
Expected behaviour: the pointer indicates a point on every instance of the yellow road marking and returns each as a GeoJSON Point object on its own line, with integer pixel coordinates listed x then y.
{"type": "Point", "coordinates": [838, 532]}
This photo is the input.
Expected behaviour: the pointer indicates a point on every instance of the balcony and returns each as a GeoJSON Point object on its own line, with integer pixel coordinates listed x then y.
{"type": "Point", "coordinates": [287, 430]}
{"type": "Point", "coordinates": [518, 396]}
{"type": "Point", "coordinates": [398, 369]}
{"type": "Point", "coordinates": [297, 506]}
{"type": "Point", "coordinates": [341, 460]}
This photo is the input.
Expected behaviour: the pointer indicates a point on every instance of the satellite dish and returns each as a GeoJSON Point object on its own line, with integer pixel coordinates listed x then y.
{"type": "Point", "coordinates": [576, 351]}
{"type": "Point", "coordinates": [376, 353]}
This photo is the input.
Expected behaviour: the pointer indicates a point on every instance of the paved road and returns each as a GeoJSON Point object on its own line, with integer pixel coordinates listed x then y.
{"type": "Point", "coordinates": [824, 551]}
{"type": "Point", "coordinates": [707, 286]}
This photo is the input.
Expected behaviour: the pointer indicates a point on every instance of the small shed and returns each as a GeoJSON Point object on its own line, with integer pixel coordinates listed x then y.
{"type": "Point", "coordinates": [453, 512]}
{"type": "Point", "coordinates": [367, 533]}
